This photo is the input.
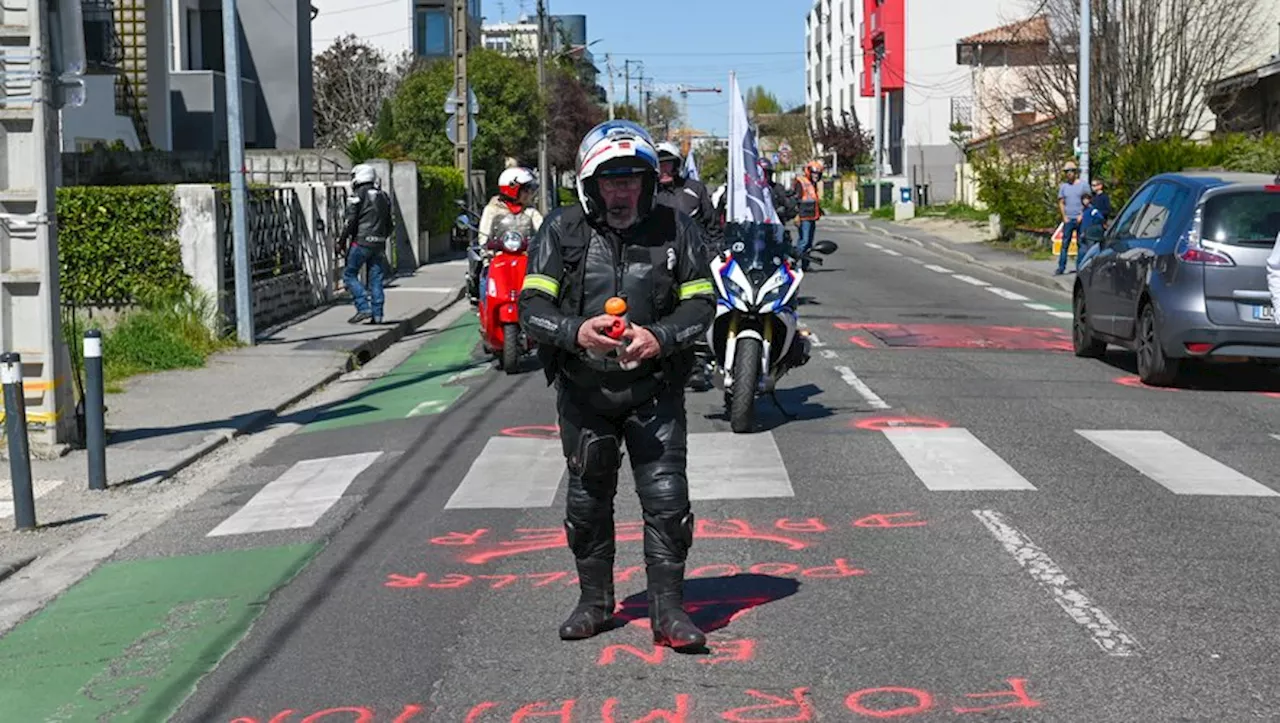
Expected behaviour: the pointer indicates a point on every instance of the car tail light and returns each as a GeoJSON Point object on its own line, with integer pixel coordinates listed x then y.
{"type": "Point", "coordinates": [1198, 347]}
{"type": "Point", "coordinates": [1202, 255]}
{"type": "Point", "coordinates": [1272, 188]}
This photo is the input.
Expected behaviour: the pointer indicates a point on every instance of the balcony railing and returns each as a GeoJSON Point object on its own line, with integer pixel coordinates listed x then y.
{"type": "Point", "coordinates": [103, 48]}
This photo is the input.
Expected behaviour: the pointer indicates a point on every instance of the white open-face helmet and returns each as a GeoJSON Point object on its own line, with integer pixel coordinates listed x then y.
{"type": "Point", "coordinates": [362, 174]}
{"type": "Point", "coordinates": [668, 151]}
{"type": "Point", "coordinates": [513, 180]}
{"type": "Point", "coordinates": [616, 148]}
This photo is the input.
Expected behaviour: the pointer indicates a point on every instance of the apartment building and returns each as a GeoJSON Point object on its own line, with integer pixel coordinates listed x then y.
{"type": "Point", "coordinates": [155, 75]}
{"type": "Point", "coordinates": [567, 35]}
{"type": "Point", "coordinates": [422, 26]}
{"type": "Point", "coordinates": [919, 75]}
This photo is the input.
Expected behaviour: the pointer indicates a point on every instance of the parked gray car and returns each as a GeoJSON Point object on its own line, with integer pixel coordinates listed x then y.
{"type": "Point", "coordinates": [1181, 275]}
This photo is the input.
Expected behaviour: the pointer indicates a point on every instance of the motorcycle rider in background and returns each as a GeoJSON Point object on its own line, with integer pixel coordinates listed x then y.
{"type": "Point", "coordinates": [369, 225]}
{"type": "Point", "coordinates": [783, 202]}
{"type": "Point", "coordinates": [691, 197]}
{"type": "Point", "coordinates": [516, 189]}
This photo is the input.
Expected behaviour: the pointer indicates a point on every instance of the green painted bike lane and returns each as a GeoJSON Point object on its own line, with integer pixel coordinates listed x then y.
{"type": "Point", "coordinates": [422, 385]}
{"type": "Point", "coordinates": [131, 640]}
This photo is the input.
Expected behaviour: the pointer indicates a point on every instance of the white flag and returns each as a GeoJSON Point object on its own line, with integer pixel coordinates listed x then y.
{"type": "Point", "coordinates": [691, 166]}
{"type": "Point", "coordinates": [750, 198]}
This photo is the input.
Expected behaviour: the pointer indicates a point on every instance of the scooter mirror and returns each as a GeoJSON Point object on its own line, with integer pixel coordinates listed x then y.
{"type": "Point", "coordinates": [825, 247]}
{"type": "Point", "coordinates": [464, 223]}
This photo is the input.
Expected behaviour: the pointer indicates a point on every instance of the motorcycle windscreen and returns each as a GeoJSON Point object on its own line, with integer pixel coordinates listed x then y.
{"type": "Point", "coordinates": [759, 248]}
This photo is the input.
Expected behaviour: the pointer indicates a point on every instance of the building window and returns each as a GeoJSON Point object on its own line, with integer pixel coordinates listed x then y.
{"type": "Point", "coordinates": [433, 31]}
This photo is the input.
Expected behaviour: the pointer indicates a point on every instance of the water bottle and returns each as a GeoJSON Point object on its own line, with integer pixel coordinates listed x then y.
{"type": "Point", "coordinates": [617, 307]}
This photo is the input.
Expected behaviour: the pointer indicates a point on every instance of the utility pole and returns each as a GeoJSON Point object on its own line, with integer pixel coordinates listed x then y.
{"type": "Point", "coordinates": [30, 297]}
{"type": "Point", "coordinates": [235, 148]}
{"type": "Point", "coordinates": [626, 80]}
{"type": "Point", "coordinates": [462, 91]}
{"type": "Point", "coordinates": [608, 59]}
{"type": "Point", "coordinates": [1086, 23]}
{"type": "Point", "coordinates": [543, 182]}
{"type": "Point", "coordinates": [878, 135]}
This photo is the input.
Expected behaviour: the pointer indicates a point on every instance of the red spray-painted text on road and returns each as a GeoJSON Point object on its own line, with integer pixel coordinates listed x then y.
{"type": "Point", "coordinates": [553, 538]}
{"type": "Point", "coordinates": [840, 568]}
{"type": "Point", "coordinates": [722, 651]}
{"type": "Point", "coordinates": [800, 705]}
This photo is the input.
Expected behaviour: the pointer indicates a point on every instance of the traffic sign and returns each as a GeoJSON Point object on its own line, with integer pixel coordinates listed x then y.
{"type": "Point", "coordinates": [451, 102]}
{"type": "Point", "coordinates": [451, 128]}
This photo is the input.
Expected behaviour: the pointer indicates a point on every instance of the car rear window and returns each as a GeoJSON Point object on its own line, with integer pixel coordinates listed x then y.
{"type": "Point", "coordinates": [1243, 217]}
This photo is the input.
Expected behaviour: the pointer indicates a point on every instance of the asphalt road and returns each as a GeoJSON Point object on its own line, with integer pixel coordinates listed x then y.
{"type": "Point", "coordinates": [967, 522]}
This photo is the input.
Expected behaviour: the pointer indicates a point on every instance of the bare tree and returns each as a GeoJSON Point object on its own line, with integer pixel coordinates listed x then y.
{"type": "Point", "coordinates": [352, 79]}
{"type": "Point", "coordinates": [1150, 62]}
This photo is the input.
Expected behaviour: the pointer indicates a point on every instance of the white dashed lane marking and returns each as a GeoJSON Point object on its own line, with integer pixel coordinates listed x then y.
{"type": "Point", "coordinates": [939, 269]}
{"type": "Point", "coordinates": [1007, 294]}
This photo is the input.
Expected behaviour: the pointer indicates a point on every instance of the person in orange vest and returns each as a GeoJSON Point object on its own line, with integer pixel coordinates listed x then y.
{"type": "Point", "coordinates": [805, 190]}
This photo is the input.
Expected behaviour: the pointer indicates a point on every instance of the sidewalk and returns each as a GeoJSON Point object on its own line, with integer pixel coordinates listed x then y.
{"type": "Point", "coordinates": [164, 422]}
{"type": "Point", "coordinates": [966, 242]}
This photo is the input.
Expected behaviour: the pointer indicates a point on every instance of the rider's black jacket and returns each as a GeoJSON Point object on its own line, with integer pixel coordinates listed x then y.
{"type": "Point", "coordinates": [576, 265]}
{"type": "Point", "coordinates": [693, 198]}
{"type": "Point", "coordinates": [783, 202]}
{"type": "Point", "coordinates": [368, 219]}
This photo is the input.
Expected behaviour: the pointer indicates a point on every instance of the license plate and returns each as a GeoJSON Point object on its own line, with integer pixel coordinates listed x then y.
{"type": "Point", "coordinates": [1264, 313]}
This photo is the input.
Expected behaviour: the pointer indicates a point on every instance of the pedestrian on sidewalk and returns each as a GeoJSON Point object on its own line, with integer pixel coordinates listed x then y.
{"type": "Point", "coordinates": [619, 241]}
{"type": "Point", "coordinates": [1101, 200]}
{"type": "Point", "coordinates": [369, 226]}
{"type": "Point", "coordinates": [1092, 226]}
{"type": "Point", "coordinates": [1071, 210]}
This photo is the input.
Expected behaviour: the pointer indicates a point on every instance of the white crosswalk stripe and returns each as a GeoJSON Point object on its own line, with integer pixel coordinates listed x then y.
{"type": "Point", "coordinates": [519, 473]}
{"type": "Point", "coordinates": [953, 460]}
{"type": "Point", "coordinates": [1179, 468]}
{"type": "Point", "coordinates": [297, 498]}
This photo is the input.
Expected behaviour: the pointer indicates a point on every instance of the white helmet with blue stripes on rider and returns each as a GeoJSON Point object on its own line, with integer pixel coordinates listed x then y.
{"type": "Point", "coordinates": [615, 148]}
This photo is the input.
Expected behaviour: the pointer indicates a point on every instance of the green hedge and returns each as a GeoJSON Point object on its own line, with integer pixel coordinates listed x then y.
{"type": "Point", "coordinates": [439, 187]}
{"type": "Point", "coordinates": [118, 245]}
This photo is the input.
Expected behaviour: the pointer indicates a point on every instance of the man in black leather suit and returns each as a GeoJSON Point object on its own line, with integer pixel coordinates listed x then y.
{"type": "Point", "coordinates": [619, 242]}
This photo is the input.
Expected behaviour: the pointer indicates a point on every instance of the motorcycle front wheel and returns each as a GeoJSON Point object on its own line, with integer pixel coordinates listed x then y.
{"type": "Point", "coordinates": [746, 377]}
{"type": "Point", "coordinates": [510, 348]}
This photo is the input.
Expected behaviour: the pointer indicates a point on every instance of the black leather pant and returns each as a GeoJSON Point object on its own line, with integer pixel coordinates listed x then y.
{"type": "Point", "coordinates": [655, 434]}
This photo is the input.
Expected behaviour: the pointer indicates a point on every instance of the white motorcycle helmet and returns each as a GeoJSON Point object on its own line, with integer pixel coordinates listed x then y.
{"type": "Point", "coordinates": [362, 174]}
{"type": "Point", "coordinates": [615, 148]}
{"type": "Point", "coordinates": [513, 180]}
{"type": "Point", "coordinates": [668, 151]}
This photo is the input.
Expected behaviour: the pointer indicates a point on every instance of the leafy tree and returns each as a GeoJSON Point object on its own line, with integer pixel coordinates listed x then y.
{"type": "Point", "coordinates": [508, 123]}
{"type": "Point", "coordinates": [663, 114]}
{"type": "Point", "coordinates": [848, 139]}
{"type": "Point", "coordinates": [713, 166]}
{"type": "Point", "coordinates": [571, 112]}
{"type": "Point", "coordinates": [626, 111]}
{"type": "Point", "coordinates": [762, 102]}
{"type": "Point", "coordinates": [352, 80]}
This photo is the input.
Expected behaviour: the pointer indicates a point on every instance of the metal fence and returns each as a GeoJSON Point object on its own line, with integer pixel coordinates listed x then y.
{"type": "Point", "coordinates": [276, 234]}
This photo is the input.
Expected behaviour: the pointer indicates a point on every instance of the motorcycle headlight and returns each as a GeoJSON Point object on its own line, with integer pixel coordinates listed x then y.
{"type": "Point", "coordinates": [513, 242]}
{"type": "Point", "coordinates": [736, 291]}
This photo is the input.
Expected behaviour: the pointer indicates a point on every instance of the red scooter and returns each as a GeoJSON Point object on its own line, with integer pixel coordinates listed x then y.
{"type": "Point", "coordinates": [501, 279]}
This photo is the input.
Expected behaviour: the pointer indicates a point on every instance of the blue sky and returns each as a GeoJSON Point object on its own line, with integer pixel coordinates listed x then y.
{"type": "Point", "coordinates": [692, 42]}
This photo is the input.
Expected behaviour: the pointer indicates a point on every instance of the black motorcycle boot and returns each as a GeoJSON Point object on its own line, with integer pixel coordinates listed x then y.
{"type": "Point", "coordinates": [594, 612]}
{"type": "Point", "coordinates": [671, 624]}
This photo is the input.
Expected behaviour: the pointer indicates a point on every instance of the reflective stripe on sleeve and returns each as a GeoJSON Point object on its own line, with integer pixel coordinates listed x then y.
{"type": "Point", "coordinates": [545, 284]}
{"type": "Point", "coordinates": [700, 287]}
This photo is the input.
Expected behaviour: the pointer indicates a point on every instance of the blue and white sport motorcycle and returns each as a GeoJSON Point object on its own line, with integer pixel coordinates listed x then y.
{"type": "Point", "coordinates": [754, 337]}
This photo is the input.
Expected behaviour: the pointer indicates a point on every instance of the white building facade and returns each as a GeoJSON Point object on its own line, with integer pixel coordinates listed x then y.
{"type": "Point", "coordinates": [833, 61]}
{"type": "Point", "coordinates": [423, 26]}
{"type": "Point", "coordinates": [918, 132]}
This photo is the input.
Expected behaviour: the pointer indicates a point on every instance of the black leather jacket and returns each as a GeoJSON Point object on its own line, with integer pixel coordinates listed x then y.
{"type": "Point", "coordinates": [783, 202]}
{"type": "Point", "coordinates": [692, 198]}
{"type": "Point", "coordinates": [575, 266]}
{"type": "Point", "coordinates": [368, 216]}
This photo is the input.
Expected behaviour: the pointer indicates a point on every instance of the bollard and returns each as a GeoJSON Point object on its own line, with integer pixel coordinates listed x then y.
{"type": "Point", "coordinates": [15, 427]}
{"type": "Point", "coordinates": [95, 423]}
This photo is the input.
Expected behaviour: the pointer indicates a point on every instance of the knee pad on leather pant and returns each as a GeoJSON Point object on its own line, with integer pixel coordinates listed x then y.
{"type": "Point", "coordinates": [674, 533]}
{"type": "Point", "coordinates": [596, 456]}
{"type": "Point", "coordinates": [590, 540]}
